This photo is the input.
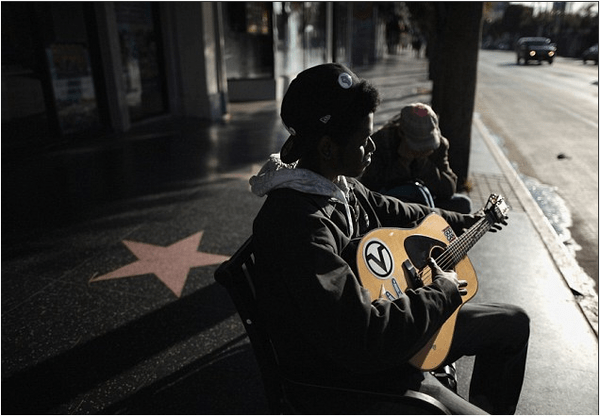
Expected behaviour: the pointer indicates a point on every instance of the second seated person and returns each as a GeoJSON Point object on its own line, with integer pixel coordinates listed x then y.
{"type": "Point", "coordinates": [411, 162]}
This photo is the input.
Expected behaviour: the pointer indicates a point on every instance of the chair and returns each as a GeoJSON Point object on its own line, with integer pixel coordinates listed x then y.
{"type": "Point", "coordinates": [237, 275]}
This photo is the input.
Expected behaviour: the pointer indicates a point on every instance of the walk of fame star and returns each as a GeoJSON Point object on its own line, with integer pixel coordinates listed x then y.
{"type": "Point", "coordinates": [170, 264]}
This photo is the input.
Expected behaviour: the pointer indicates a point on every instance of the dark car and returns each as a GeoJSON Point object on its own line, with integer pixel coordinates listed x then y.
{"type": "Point", "coordinates": [590, 54]}
{"type": "Point", "coordinates": [535, 49]}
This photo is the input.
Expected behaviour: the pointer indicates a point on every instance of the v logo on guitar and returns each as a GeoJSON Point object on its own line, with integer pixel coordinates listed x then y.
{"type": "Point", "coordinates": [393, 260]}
{"type": "Point", "coordinates": [378, 258]}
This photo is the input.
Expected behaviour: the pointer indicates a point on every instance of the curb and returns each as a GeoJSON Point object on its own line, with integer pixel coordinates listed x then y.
{"type": "Point", "coordinates": [580, 284]}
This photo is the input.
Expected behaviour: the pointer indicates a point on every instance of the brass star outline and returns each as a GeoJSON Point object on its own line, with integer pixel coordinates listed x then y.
{"type": "Point", "coordinates": [170, 264]}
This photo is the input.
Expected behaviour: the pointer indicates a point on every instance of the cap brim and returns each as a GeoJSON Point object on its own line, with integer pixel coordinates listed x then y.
{"type": "Point", "coordinates": [430, 143]}
{"type": "Point", "coordinates": [291, 150]}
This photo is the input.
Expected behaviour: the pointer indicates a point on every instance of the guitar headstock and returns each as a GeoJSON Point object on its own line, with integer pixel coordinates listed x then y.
{"type": "Point", "coordinates": [496, 209]}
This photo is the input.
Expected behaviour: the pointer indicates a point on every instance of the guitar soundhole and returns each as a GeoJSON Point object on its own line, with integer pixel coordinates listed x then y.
{"type": "Point", "coordinates": [420, 247]}
{"type": "Point", "coordinates": [436, 252]}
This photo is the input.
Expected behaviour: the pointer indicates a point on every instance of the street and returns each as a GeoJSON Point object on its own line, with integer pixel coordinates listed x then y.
{"type": "Point", "coordinates": [545, 118]}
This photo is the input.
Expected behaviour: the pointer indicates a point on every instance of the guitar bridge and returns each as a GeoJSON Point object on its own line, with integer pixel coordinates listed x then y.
{"type": "Point", "coordinates": [412, 276]}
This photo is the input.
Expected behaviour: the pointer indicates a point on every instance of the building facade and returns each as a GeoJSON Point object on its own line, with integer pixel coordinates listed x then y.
{"type": "Point", "coordinates": [74, 71]}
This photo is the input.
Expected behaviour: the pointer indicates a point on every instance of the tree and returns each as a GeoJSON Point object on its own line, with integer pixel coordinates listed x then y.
{"type": "Point", "coordinates": [513, 16]}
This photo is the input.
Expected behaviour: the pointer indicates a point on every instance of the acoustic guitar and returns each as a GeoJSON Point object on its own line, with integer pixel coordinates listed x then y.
{"type": "Point", "coordinates": [393, 260]}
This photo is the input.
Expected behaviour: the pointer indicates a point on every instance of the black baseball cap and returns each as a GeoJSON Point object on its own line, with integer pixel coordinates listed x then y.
{"type": "Point", "coordinates": [317, 98]}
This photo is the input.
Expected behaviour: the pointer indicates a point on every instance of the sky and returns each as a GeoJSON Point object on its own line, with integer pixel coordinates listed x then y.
{"type": "Point", "coordinates": [572, 6]}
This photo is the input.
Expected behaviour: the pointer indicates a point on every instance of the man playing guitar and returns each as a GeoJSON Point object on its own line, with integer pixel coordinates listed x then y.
{"type": "Point", "coordinates": [311, 240]}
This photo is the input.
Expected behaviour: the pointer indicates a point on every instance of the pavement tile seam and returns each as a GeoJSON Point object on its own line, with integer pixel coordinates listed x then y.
{"type": "Point", "coordinates": [484, 184]}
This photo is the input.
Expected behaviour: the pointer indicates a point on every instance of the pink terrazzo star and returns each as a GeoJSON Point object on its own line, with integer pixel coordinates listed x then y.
{"type": "Point", "coordinates": [170, 264]}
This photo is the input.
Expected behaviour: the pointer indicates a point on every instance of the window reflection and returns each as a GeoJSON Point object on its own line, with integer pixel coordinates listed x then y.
{"type": "Point", "coordinates": [248, 40]}
{"type": "Point", "coordinates": [301, 35]}
{"type": "Point", "coordinates": [73, 87]}
{"type": "Point", "coordinates": [141, 60]}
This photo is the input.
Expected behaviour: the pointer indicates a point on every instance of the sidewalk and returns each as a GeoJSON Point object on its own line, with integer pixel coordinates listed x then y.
{"type": "Point", "coordinates": [517, 266]}
{"type": "Point", "coordinates": [90, 325]}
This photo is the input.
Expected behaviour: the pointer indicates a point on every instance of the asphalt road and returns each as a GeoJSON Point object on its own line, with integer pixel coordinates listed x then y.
{"type": "Point", "coordinates": [546, 120]}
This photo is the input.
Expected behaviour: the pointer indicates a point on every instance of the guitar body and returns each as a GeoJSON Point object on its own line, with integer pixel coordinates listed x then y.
{"type": "Point", "coordinates": [392, 260]}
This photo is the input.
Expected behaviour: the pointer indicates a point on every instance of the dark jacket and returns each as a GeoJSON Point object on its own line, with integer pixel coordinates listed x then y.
{"type": "Point", "coordinates": [322, 320]}
{"type": "Point", "coordinates": [388, 171]}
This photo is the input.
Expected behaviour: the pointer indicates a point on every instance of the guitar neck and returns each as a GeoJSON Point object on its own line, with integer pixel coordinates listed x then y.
{"type": "Point", "coordinates": [458, 249]}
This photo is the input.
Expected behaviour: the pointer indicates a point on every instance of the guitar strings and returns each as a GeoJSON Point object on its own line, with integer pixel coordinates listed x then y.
{"type": "Point", "coordinates": [452, 255]}
{"type": "Point", "coordinates": [456, 251]}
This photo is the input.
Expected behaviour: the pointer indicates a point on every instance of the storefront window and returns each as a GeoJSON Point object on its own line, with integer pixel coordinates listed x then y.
{"type": "Point", "coordinates": [73, 86]}
{"type": "Point", "coordinates": [24, 116]}
{"type": "Point", "coordinates": [342, 20]}
{"type": "Point", "coordinates": [301, 35]}
{"type": "Point", "coordinates": [47, 79]}
{"type": "Point", "coordinates": [289, 48]}
{"type": "Point", "coordinates": [143, 73]}
{"type": "Point", "coordinates": [364, 29]}
{"type": "Point", "coordinates": [248, 40]}
{"type": "Point", "coordinates": [315, 45]}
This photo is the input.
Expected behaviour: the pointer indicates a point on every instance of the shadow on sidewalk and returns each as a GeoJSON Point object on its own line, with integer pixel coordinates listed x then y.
{"type": "Point", "coordinates": [60, 379]}
{"type": "Point", "coordinates": [226, 381]}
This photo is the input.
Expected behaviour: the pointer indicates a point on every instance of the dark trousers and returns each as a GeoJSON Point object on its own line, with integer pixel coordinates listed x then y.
{"type": "Point", "coordinates": [497, 335]}
{"type": "Point", "coordinates": [457, 202]}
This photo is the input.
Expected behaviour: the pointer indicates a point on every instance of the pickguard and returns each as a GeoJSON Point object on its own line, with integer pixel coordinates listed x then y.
{"type": "Point", "coordinates": [420, 247]}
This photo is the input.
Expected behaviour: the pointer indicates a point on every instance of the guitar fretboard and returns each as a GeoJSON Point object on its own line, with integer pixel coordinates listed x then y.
{"type": "Point", "coordinates": [458, 249]}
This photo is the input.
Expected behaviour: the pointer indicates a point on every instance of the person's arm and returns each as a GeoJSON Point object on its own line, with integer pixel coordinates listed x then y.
{"type": "Point", "coordinates": [436, 173]}
{"type": "Point", "coordinates": [335, 311]}
{"type": "Point", "coordinates": [314, 290]}
{"type": "Point", "coordinates": [391, 212]}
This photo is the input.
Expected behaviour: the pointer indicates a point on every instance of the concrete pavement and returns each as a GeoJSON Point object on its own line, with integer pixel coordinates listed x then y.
{"type": "Point", "coordinates": [521, 265]}
{"type": "Point", "coordinates": [77, 341]}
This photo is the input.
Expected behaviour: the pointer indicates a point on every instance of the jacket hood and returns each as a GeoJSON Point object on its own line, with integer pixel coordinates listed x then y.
{"type": "Point", "coordinates": [276, 174]}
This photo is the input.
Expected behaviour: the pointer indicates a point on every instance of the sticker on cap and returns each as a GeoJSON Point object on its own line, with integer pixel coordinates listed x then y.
{"type": "Point", "coordinates": [345, 80]}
